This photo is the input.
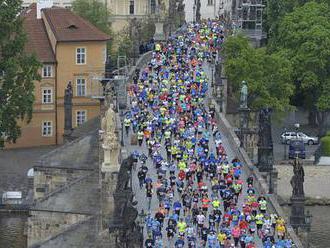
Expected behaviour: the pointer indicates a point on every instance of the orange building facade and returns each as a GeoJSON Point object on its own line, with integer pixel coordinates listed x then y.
{"type": "Point", "coordinates": [70, 50]}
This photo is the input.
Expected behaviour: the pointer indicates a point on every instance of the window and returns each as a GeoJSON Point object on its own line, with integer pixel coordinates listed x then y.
{"type": "Point", "coordinates": [47, 129]}
{"type": "Point", "coordinates": [153, 6]}
{"type": "Point", "coordinates": [47, 95]}
{"type": "Point", "coordinates": [47, 71]}
{"type": "Point", "coordinates": [80, 117]}
{"type": "Point", "coordinates": [131, 7]}
{"type": "Point", "coordinates": [209, 2]}
{"type": "Point", "coordinates": [81, 87]}
{"type": "Point", "coordinates": [81, 55]}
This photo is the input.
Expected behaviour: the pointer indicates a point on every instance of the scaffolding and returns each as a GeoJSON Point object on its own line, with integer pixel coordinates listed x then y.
{"type": "Point", "coordinates": [249, 14]}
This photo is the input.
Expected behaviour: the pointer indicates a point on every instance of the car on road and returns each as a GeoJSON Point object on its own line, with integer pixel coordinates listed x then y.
{"type": "Point", "coordinates": [286, 137]}
{"type": "Point", "coordinates": [297, 149]}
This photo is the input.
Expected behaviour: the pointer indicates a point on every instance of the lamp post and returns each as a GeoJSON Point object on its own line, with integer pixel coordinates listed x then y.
{"type": "Point", "coordinates": [141, 220]}
{"type": "Point", "coordinates": [122, 128]}
{"type": "Point", "coordinates": [194, 13]}
{"type": "Point", "coordinates": [285, 145]}
{"type": "Point", "coordinates": [212, 76]}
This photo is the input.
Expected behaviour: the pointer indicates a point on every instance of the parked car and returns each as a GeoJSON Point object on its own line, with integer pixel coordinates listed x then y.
{"type": "Point", "coordinates": [286, 137]}
{"type": "Point", "coordinates": [297, 149]}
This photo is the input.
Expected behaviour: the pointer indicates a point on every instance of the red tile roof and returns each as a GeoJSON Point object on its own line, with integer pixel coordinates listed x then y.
{"type": "Point", "coordinates": [67, 26]}
{"type": "Point", "coordinates": [37, 39]}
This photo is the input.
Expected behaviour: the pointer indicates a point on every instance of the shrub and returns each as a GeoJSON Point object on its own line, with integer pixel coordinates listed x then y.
{"type": "Point", "coordinates": [325, 145]}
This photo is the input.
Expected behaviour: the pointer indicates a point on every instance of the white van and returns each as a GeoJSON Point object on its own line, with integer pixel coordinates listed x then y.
{"type": "Point", "coordinates": [12, 197]}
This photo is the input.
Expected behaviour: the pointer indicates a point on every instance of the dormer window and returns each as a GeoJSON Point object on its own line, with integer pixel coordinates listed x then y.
{"type": "Point", "coordinates": [72, 26]}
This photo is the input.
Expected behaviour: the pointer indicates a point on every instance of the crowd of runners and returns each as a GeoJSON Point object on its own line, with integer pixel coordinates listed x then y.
{"type": "Point", "coordinates": [203, 197]}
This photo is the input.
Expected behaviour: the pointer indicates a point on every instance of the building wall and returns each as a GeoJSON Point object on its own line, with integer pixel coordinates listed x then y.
{"type": "Point", "coordinates": [120, 12]}
{"type": "Point", "coordinates": [42, 225]}
{"type": "Point", "coordinates": [65, 71]}
{"type": "Point", "coordinates": [32, 132]}
{"type": "Point", "coordinates": [226, 9]}
{"type": "Point", "coordinates": [60, 3]}
{"type": "Point", "coordinates": [69, 71]}
{"type": "Point", "coordinates": [207, 10]}
{"type": "Point", "coordinates": [120, 7]}
{"type": "Point", "coordinates": [46, 180]}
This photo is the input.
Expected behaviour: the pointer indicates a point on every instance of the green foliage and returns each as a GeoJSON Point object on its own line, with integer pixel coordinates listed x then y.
{"type": "Point", "coordinates": [136, 33]}
{"type": "Point", "coordinates": [275, 12]}
{"type": "Point", "coordinates": [268, 76]}
{"type": "Point", "coordinates": [325, 145]}
{"type": "Point", "coordinates": [125, 46]}
{"type": "Point", "coordinates": [304, 37]}
{"type": "Point", "coordinates": [17, 73]}
{"type": "Point", "coordinates": [96, 12]}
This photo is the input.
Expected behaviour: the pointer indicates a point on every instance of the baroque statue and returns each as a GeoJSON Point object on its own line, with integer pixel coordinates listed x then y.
{"type": "Point", "coordinates": [109, 123]}
{"type": "Point", "coordinates": [68, 94]}
{"type": "Point", "coordinates": [265, 128]}
{"type": "Point", "coordinates": [244, 95]}
{"type": "Point", "coordinates": [297, 180]}
{"type": "Point", "coordinates": [110, 144]}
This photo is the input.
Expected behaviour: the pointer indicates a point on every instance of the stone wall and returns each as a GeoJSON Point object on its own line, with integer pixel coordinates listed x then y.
{"type": "Point", "coordinates": [47, 180]}
{"type": "Point", "coordinates": [43, 225]}
{"type": "Point", "coordinates": [251, 139]}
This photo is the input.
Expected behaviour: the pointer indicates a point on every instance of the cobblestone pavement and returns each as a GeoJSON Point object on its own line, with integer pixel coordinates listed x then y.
{"type": "Point", "coordinates": [14, 165]}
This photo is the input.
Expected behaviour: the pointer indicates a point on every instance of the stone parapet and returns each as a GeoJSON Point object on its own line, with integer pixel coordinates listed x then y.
{"type": "Point", "coordinates": [47, 181]}
{"type": "Point", "coordinates": [42, 225]}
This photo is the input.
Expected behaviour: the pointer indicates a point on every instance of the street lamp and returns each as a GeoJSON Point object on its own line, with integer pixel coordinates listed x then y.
{"type": "Point", "coordinates": [194, 13]}
{"type": "Point", "coordinates": [285, 145]}
{"type": "Point", "coordinates": [308, 220]}
{"type": "Point", "coordinates": [212, 70]}
{"type": "Point", "coordinates": [308, 224]}
{"type": "Point", "coordinates": [141, 220]}
{"type": "Point", "coordinates": [122, 128]}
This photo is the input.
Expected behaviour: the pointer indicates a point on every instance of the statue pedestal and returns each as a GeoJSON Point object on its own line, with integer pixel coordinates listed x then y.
{"type": "Point", "coordinates": [111, 159]}
{"type": "Point", "coordinates": [265, 159]}
{"type": "Point", "coordinates": [297, 217]}
{"type": "Point", "coordinates": [109, 169]}
{"type": "Point", "coordinates": [159, 32]}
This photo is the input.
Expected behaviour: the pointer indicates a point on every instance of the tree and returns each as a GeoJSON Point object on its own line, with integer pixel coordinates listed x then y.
{"type": "Point", "coordinates": [17, 73]}
{"type": "Point", "coordinates": [268, 76]}
{"type": "Point", "coordinates": [304, 38]}
{"type": "Point", "coordinates": [96, 12]}
{"type": "Point", "coordinates": [275, 12]}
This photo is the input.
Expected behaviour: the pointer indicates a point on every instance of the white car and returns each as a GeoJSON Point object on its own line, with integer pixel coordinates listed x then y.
{"type": "Point", "coordinates": [286, 137]}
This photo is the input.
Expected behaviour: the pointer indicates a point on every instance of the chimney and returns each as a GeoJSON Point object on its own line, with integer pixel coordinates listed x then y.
{"type": "Point", "coordinates": [42, 4]}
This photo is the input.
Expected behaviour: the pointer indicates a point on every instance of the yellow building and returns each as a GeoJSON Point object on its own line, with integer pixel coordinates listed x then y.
{"type": "Point", "coordinates": [71, 50]}
{"type": "Point", "coordinates": [122, 11]}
